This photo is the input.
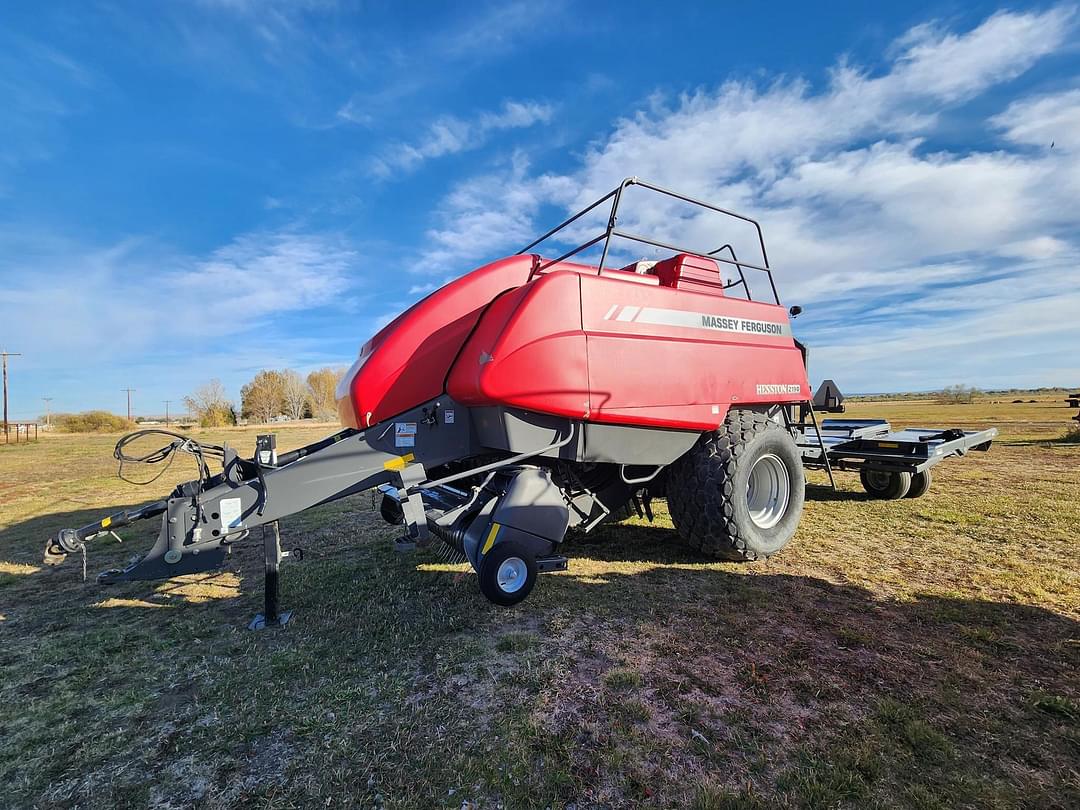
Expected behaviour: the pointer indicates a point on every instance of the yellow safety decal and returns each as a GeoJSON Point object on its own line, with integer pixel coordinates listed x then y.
{"type": "Point", "coordinates": [398, 463]}
{"type": "Point", "coordinates": [106, 522]}
{"type": "Point", "coordinates": [491, 538]}
{"type": "Point", "coordinates": [890, 445]}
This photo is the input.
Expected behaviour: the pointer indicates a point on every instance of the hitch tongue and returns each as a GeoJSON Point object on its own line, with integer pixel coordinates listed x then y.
{"type": "Point", "coordinates": [69, 541]}
{"type": "Point", "coordinates": [57, 548]}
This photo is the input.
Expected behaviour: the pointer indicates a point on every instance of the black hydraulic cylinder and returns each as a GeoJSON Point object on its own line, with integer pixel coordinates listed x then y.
{"type": "Point", "coordinates": [123, 518]}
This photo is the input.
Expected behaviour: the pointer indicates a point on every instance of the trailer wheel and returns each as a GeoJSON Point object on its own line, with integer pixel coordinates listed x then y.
{"type": "Point", "coordinates": [885, 485]}
{"type": "Point", "coordinates": [507, 573]}
{"type": "Point", "coordinates": [738, 493]}
{"type": "Point", "coordinates": [920, 482]}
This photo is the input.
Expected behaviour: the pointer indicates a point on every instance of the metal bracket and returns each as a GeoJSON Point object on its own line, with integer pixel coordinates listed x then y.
{"type": "Point", "coordinates": [555, 562]}
{"type": "Point", "coordinates": [412, 505]}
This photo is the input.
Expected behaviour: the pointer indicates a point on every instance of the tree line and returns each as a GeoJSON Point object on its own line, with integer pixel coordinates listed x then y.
{"type": "Point", "coordinates": [271, 394]}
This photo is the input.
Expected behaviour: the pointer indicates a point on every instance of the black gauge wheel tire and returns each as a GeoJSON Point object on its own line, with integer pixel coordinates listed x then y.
{"type": "Point", "coordinates": [507, 573]}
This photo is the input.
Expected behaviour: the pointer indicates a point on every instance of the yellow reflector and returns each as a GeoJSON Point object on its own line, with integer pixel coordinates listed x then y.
{"type": "Point", "coordinates": [491, 538]}
{"type": "Point", "coordinates": [398, 463]}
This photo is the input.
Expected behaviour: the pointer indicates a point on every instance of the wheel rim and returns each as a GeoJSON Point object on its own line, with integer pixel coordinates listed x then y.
{"type": "Point", "coordinates": [512, 574]}
{"type": "Point", "coordinates": [768, 491]}
{"type": "Point", "coordinates": [878, 479]}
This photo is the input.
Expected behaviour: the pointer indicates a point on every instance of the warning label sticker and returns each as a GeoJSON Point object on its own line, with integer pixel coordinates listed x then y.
{"type": "Point", "coordinates": [230, 509]}
{"type": "Point", "coordinates": [448, 417]}
{"type": "Point", "coordinates": [404, 434]}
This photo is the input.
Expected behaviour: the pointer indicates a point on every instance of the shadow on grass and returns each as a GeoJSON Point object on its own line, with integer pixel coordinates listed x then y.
{"type": "Point", "coordinates": [825, 493]}
{"type": "Point", "coordinates": [1068, 440]}
{"type": "Point", "coordinates": [29, 583]}
{"type": "Point", "coordinates": [790, 652]}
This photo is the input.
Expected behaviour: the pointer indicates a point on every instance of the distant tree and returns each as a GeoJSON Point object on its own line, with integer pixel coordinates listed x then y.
{"type": "Point", "coordinates": [958, 394]}
{"type": "Point", "coordinates": [295, 394]}
{"type": "Point", "coordinates": [322, 385]}
{"type": "Point", "coordinates": [209, 404]}
{"type": "Point", "coordinates": [264, 397]}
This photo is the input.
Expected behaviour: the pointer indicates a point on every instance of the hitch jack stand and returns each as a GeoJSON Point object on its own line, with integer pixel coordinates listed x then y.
{"type": "Point", "coordinates": [271, 616]}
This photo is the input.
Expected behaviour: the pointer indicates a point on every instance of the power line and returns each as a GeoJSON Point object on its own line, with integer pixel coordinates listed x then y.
{"type": "Point", "coordinates": [5, 356]}
{"type": "Point", "coordinates": [129, 393]}
{"type": "Point", "coordinates": [47, 400]}
{"type": "Point", "coordinates": [167, 412]}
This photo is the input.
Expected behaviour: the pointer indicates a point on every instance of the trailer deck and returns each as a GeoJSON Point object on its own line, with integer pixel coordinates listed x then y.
{"type": "Point", "coordinates": [856, 444]}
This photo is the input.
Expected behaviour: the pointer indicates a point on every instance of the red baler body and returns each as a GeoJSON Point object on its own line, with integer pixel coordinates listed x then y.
{"type": "Point", "coordinates": [662, 347]}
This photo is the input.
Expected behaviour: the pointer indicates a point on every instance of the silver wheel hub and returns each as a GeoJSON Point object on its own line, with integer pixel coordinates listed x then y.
{"type": "Point", "coordinates": [512, 574]}
{"type": "Point", "coordinates": [768, 491]}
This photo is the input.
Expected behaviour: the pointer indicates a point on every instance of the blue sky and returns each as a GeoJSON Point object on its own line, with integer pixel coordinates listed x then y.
{"type": "Point", "coordinates": [202, 189]}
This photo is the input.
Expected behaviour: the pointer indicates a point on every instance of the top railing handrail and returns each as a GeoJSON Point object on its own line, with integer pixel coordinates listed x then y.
{"type": "Point", "coordinates": [613, 231]}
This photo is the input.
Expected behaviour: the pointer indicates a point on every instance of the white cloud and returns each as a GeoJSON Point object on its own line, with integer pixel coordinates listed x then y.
{"type": "Point", "coordinates": [435, 61]}
{"type": "Point", "coordinates": [479, 217]}
{"type": "Point", "coordinates": [864, 216]}
{"type": "Point", "coordinates": [1042, 121]}
{"type": "Point", "coordinates": [450, 135]}
{"type": "Point", "coordinates": [133, 297]}
{"type": "Point", "coordinates": [93, 319]}
{"type": "Point", "coordinates": [956, 66]}
{"type": "Point", "coordinates": [709, 137]}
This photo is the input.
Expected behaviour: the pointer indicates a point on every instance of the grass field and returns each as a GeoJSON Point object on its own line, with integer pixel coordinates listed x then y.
{"type": "Point", "coordinates": [917, 653]}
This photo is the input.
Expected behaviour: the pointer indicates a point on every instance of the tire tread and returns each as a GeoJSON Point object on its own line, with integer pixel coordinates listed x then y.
{"type": "Point", "coordinates": [700, 495]}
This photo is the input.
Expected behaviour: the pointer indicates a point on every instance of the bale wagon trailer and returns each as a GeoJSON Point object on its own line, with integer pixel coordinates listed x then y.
{"type": "Point", "coordinates": [537, 396]}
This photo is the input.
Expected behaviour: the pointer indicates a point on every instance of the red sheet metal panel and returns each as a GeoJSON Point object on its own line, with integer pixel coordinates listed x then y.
{"type": "Point", "coordinates": [407, 362]}
{"type": "Point", "coordinates": [670, 357]}
{"type": "Point", "coordinates": [604, 348]}
{"type": "Point", "coordinates": [528, 351]}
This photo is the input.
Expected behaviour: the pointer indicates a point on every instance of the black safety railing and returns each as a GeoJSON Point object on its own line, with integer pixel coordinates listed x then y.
{"type": "Point", "coordinates": [612, 231]}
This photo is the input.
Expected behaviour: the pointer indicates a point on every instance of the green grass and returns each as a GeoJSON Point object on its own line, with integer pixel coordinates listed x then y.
{"type": "Point", "coordinates": [918, 653]}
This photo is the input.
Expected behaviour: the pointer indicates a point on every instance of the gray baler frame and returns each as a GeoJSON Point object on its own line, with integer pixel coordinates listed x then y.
{"type": "Point", "coordinates": [202, 519]}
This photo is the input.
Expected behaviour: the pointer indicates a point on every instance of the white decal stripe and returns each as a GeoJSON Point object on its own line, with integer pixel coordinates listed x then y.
{"type": "Point", "coordinates": [611, 312]}
{"type": "Point", "coordinates": [628, 313]}
{"type": "Point", "coordinates": [710, 322]}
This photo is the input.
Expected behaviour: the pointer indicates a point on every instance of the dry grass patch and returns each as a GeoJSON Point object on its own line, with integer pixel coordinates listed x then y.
{"type": "Point", "coordinates": [917, 653]}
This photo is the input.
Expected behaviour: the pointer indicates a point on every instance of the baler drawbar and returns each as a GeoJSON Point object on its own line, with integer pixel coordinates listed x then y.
{"type": "Point", "coordinates": [534, 397]}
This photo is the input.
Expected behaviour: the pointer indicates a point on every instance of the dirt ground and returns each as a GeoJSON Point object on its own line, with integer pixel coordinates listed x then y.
{"type": "Point", "coordinates": [916, 653]}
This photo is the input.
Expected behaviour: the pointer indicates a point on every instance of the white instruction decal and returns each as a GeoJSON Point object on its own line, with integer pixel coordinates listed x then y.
{"type": "Point", "coordinates": [404, 434]}
{"type": "Point", "coordinates": [448, 417]}
{"type": "Point", "coordinates": [230, 513]}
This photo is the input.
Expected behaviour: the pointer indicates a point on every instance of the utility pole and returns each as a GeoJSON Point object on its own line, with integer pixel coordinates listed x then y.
{"type": "Point", "coordinates": [129, 392]}
{"type": "Point", "coordinates": [47, 400]}
{"type": "Point", "coordinates": [167, 412]}
{"type": "Point", "coordinates": [5, 356]}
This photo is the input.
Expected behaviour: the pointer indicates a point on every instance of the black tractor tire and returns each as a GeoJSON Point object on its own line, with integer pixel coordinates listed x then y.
{"type": "Point", "coordinates": [920, 482]}
{"type": "Point", "coordinates": [709, 491]}
{"type": "Point", "coordinates": [494, 583]}
{"type": "Point", "coordinates": [884, 485]}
